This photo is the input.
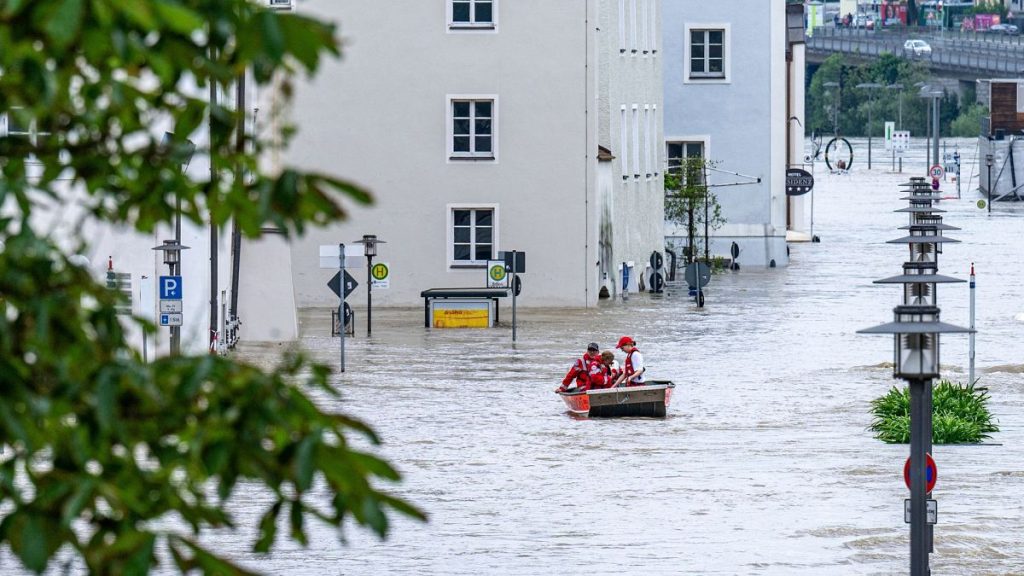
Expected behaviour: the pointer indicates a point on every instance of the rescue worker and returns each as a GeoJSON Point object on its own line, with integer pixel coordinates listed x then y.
{"type": "Point", "coordinates": [608, 371]}
{"type": "Point", "coordinates": [633, 370]}
{"type": "Point", "coordinates": [580, 370]}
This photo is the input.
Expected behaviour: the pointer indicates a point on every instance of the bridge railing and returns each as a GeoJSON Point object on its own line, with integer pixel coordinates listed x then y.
{"type": "Point", "coordinates": [951, 54]}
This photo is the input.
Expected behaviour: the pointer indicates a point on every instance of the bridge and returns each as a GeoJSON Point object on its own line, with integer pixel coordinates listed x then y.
{"type": "Point", "coordinates": [966, 56]}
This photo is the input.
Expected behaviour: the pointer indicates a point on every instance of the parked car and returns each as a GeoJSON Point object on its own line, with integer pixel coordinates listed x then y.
{"type": "Point", "coordinates": [917, 47]}
{"type": "Point", "coordinates": [1008, 29]}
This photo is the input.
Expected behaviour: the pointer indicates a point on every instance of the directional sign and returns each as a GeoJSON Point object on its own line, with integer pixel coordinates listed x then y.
{"type": "Point", "coordinates": [936, 171]}
{"type": "Point", "coordinates": [170, 287]}
{"type": "Point", "coordinates": [497, 276]}
{"type": "Point", "coordinates": [335, 284]}
{"type": "Point", "coordinates": [932, 473]}
{"type": "Point", "coordinates": [380, 275]}
{"type": "Point", "coordinates": [170, 319]}
{"type": "Point", "coordinates": [798, 182]}
{"type": "Point", "coordinates": [329, 256]}
{"type": "Point", "coordinates": [931, 514]}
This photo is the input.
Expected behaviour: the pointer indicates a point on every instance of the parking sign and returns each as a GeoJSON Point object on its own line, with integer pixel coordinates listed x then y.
{"type": "Point", "coordinates": [170, 287]}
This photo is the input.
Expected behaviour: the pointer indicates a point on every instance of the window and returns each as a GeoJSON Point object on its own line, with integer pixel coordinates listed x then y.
{"type": "Point", "coordinates": [471, 14]}
{"type": "Point", "coordinates": [471, 125]}
{"type": "Point", "coordinates": [622, 26]}
{"type": "Point", "coordinates": [473, 237]}
{"type": "Point", "coordinates": [707, 53]}
{"type": "Point", "coordinates": [624, 147]}
{"type": "Point", "coordinates": [679, 153]}
{"type": "Point", "coordinates": [632, 42]}
{"type": "Point", "coordinates": [636, 141]}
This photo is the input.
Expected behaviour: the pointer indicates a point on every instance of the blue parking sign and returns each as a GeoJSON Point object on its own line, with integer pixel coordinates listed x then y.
{"type": "Point", "coordinates": [170, 287]}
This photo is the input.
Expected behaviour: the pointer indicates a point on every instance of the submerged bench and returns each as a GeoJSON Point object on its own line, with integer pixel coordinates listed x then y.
{"type": "Point", "coordinates": [491, 294]}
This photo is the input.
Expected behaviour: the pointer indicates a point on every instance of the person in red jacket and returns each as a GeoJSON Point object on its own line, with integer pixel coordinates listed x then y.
{"type": "Point", "coordinates": [607, 371]}
{"type": "Point", "coordinates": [633, 371]}
{"type": "Point", "coordinates": [580, 370]}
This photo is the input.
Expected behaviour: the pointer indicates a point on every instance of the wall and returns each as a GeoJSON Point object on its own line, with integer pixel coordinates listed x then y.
{"type": "Point", "coordinates": [379, 118]}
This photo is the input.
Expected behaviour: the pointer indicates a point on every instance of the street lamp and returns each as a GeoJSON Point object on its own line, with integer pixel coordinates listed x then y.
{"type": "Point", "coordinates": [835, 106]}
{"type": "Point", "coordinates": [871, 87]}
{"type": "Point", "coordinates": [369, 243]}
{"type": "Point", "coordinates": [899, 98]}
{"type": "Point", "coordinates": [988, 164]}
{"type": "Point", "coordinates": [172, 257]}
{"type": "Point", "coordinates": [933, 95]}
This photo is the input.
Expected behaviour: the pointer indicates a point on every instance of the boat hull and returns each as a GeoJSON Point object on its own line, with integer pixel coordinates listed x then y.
{"type": "Point", "coordinates": [651, 400]}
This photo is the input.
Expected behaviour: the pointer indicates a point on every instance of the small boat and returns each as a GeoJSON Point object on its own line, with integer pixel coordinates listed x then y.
{"type": "Point", "coordinates": [650, 400]}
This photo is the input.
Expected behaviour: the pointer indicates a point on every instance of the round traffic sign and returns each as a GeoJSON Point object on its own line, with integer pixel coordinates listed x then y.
{"type": "Point", "coordinates": [931, 473]}
{"type": "Point", "coordinates": [936, 171]}
{"type": "Point", "coordinates": [380, 271]}
{"type": "Point", "coordinates": [982, 204]}
{"type": "Point", "coordinates": [497, 272]}
{"type": "Point", "coordinates": [657, 261]}
{"type": "Point", "coordinates": [697, 275]}
{"type": "Point", "coordinates": [657, 282]}
{"type": "Point", "coordinates": [517, 285]}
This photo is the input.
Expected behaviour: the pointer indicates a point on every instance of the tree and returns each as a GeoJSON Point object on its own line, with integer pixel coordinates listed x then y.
{"type": "Point", "coordinates": [689, 203]}
{"type": "Point", "coordinates": [103, 453]}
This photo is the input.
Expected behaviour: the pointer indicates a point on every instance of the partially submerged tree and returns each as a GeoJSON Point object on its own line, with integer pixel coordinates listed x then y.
{"type": "Point", "coordinates": [105, 457]}
{"type": "Point", "coordinates": [691, 204]}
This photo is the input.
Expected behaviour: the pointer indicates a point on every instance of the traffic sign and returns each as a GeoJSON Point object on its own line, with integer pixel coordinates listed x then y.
{"type": "Point", "coordinates": [931, 514]}
{"type": "Point", "coordinates": [936, 171]}
{"type": "Point", "coordinates": [890, 129]}
{"type": "Point", "coordinates": [697, 275]}
{"type": "Point", "coordinates": [497, 276]}
{"type": "Point", "coordinates": [520, 263]}
{"type": "Point", "coordinates": [329, 256]}
{"type": "Point", "coordinates": [335, 284]}
{"type": "Point", "coordinates": [170, 306]}
{"type": "Point", "coordinates": [170, 287]}
{"type": "Point", "coordinates": [380, 275]}
{"type": "Point", "coordinates": [657, 261]}
{"type": "Point", "coordinates": [170, 319]}
{"type": "Point", "coordinates": [517, 285]}
{"type": "Point", "coordinates": [932, 473]}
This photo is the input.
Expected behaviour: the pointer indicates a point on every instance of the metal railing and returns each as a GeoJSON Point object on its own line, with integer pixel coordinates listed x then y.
{"type": "Point", "coordinates": [954, 53]}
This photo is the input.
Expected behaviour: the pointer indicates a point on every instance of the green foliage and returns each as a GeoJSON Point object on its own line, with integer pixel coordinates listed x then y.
{"type": "Point", "coordinates": [103, 454]}
{"type": "Point", "coordinates": [690, 203]}
{"type": "Point", "coordinates": [988, 7]}
{"type": "Point", "coordinates": [968, 124]}
{"type": "Point", "coordinates": [959, 415]}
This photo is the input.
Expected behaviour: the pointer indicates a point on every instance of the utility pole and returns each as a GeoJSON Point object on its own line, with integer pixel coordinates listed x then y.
{"type": "Point", "coordinates": [871, 87]}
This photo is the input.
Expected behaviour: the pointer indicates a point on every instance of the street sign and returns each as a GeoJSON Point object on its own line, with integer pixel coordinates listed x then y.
{"type": "Point", "coordinates": [497, 276]}
{"type": "Point", "coordinates": [517, 285]}
{"type": "Point", "coordinates": [798, 182]}
{"type": "Point", "coordinates": [930, 468]}
{"type": "Point", "coordinates": [170, 306]}
{"type": "Point", "coordinates": [931, 514]}
{"type": "Point", "coordinates": [890, 129]}
{"type": "Point", "coordinates": [520, 263]}
{"type": "Point", "coordinates": [936, 171]}
{"type": "Point", "coordinates": [380, 275]}
{"type": "Point", "coordinates": [335, 284]}
{"type": "Point", "coordinates": [170, 319]}
{"type": "Point", "coordinates": [657, 261]}
{"type": "Point", "coordinates": [329, 256]}
{"type": "Point", "coordinates": [901, 141]}
{"type": "Point", "coordinates": [170, 287]}
{"type": "Point", "coordinates": [697, 275]}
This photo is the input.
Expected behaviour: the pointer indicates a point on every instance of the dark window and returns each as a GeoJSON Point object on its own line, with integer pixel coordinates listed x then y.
{"type": "Point", "coordinates": [707, 54]}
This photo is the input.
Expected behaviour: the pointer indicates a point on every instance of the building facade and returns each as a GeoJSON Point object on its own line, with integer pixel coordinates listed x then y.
{"type": "Point", "coordinates": [477, 126]}
{"type": "Point", "coordinates": [734, 96]}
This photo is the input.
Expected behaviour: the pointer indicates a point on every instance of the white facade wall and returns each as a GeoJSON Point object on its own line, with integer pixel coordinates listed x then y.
{"type": "Point", "coordinates": [382, 118]}
{"type": "Point", "coordinates": [741, 119]}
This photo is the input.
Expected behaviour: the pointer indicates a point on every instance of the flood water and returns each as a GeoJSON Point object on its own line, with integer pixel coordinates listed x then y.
{"type": "Point", "coordinates": [764, 464]}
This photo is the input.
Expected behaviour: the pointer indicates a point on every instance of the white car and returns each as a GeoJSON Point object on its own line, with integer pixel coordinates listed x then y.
{"type": "Point", "coordinates": [917, 47]}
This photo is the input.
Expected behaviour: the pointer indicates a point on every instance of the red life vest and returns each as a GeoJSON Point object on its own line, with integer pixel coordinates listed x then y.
{"type": "Point", "coordinates": [628, 369]}
{"type": "Point", "coordinates": [580, 372]}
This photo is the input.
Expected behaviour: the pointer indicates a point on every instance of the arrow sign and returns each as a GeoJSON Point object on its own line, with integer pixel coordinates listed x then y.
{"type": "Point", "coordinates": [335, 284]}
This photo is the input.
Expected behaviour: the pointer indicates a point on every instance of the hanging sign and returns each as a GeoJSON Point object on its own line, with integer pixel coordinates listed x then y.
{"type": "Point", "coordinates": [380, 275]}
{"type": "Point", "coordinates": [798, 182]}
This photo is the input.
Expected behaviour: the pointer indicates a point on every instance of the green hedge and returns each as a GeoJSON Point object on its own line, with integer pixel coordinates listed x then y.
{"type": "Point", "coordinates": [959, 415]}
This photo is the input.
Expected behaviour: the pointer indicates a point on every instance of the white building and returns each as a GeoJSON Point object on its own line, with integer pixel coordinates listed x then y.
{"type": "Point", "coordinates": [734, 95]}
{"type": "Point", "coordinates": [477, 124]}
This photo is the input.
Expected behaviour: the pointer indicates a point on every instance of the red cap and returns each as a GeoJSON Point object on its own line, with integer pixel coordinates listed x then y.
{"type": "Point", "coordinates": [625, 340]}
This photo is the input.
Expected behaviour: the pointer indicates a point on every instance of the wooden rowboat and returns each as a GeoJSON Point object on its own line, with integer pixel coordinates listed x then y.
{"type": "Point", "coordinates": [651, 399]}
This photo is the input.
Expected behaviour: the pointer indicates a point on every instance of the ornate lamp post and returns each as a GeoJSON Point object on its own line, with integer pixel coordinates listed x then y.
{"type": "Point", "coordinates": [915, 329]}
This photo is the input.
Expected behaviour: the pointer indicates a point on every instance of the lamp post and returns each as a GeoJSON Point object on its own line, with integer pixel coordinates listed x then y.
{"type": "Point", "coordinates": [916, 329]}
{"type": "Point", "coordinates": [369, 243]}
{"type": "Point", "coordinates": [835, 106]}
{"type": "Point", "coordinates": [172, 257]}
{"type": "Point", "coordinates": [933, 97]}
{"type": "Point", "coordinates": [988, 164]}
{"type": "Point", "coordinates": [870, 87]}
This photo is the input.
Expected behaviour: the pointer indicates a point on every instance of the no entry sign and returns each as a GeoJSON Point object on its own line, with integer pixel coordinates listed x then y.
{"type": "Point", "coordinates": [931, 473]}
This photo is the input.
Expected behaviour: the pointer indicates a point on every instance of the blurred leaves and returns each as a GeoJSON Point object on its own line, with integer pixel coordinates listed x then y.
{"type": "Point", "coordinates": [104, 456]}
